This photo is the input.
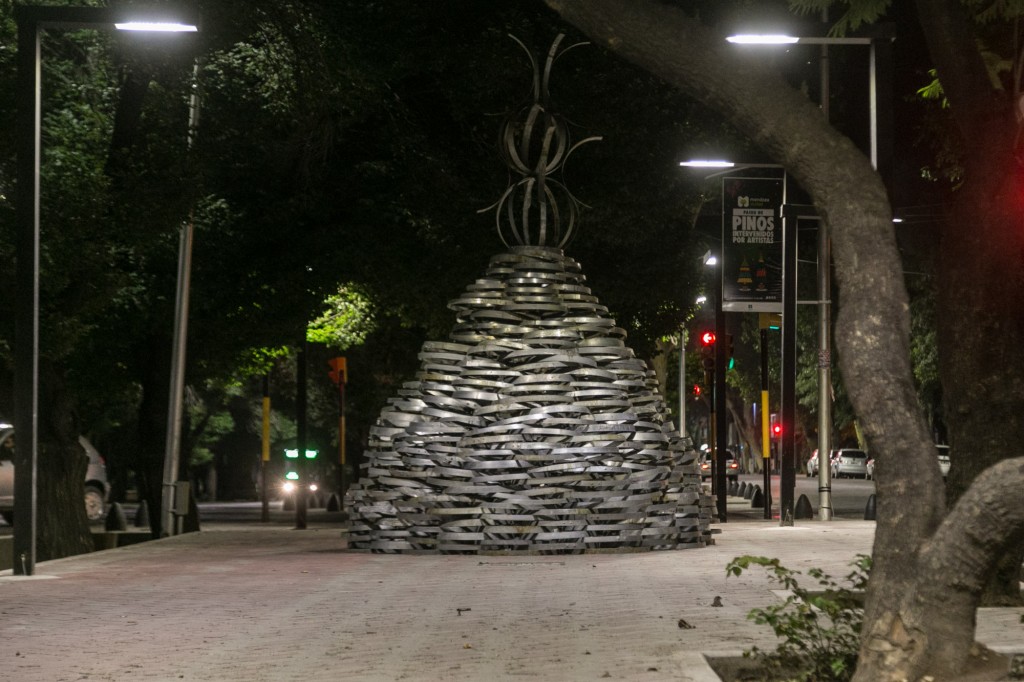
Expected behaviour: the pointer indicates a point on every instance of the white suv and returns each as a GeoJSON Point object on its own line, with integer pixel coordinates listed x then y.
{"type": "Point", "coordinates": [96, 487]}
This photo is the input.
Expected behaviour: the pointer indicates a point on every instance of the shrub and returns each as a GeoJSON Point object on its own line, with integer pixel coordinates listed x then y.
{"type": "Point", "coordinates": [819, 630]}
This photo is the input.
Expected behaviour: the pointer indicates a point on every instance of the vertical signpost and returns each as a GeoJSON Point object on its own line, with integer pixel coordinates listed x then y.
{"type": "Point", "coordinates": [752, 271]}
{"type": "Point", "coordinates": [265, 452]}
{"type": "Point", "coordinates": [300, 419]}
{"type": "Point", "coordinates": [339, 375]}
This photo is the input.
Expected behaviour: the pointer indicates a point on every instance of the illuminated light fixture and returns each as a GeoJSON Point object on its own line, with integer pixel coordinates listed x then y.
{"type": "Point", "coordinates": [701, 300]}
{"type": "Point", "coordinates": [763, 39]}
{"type": "Point", "coordinates": [32, 21]}
{"type": "Point", "coordinates": [707, 163]}
{"type": "Point", "coordinates": [159, 26]}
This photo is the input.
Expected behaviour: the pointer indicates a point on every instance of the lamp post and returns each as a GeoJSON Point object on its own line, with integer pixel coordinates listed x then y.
{"type": "Point", "coordinates": [31, 21]}
{"type": "Point", "coordinates": [880, 41]}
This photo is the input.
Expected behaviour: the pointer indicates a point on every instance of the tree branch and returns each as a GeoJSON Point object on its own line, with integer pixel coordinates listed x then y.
{"type": "Point", "coordinates": [984, 524]}
{"type": "Point", "coordinates": [965, 79]}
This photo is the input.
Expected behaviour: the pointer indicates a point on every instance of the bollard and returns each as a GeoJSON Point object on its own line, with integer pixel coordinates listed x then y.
{"type": "Point", "coordinates": [334, 503]}
{"type": "Point", "coordinates": [757, 499]}
{"type": "Point", "coordinates": [803, 508]}
{"type": "Point", "coordinates": [742, 490]}
{"type": "Point", "coordinates": [115, 518]}
{"type": "Point", "coordinates": [749, 492]}
{"type": "Point", "coordinates": [734, 488]}
{"type": "Point", "coordinates": [869, 510]}
{"type": "Point", "coordinates": [142, 515]}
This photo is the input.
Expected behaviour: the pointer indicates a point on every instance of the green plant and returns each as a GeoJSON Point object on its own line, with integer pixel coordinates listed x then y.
{"type": "Point", "coordinates": [819, 629]}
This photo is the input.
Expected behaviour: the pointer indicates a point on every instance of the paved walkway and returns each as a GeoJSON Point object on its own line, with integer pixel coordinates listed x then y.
{"type": "Point", "coordinates": [274, 604]}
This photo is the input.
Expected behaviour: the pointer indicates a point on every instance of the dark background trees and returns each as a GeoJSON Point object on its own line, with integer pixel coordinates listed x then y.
{"type": "Point", "coordinates": [325, 156]}
{"type": "Point", "coordinates": [351, 144]}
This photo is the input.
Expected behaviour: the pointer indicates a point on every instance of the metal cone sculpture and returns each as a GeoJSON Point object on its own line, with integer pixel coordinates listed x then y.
{"type": "Point", "coordinates": [534, 428]}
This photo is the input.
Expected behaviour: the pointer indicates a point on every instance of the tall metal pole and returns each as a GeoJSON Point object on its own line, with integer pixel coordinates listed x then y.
{"type": "Point", "coordinates": [26, 344]}
{"type": "Point", "coordinates": [787, 482]}
{"type": "Point", "coordinates": [682, 381]}
{"type": "Point", "coordinates": [766, 442]}
{"type": "Point", "coordinates": [172, 450]}
{"type": "Point", "coordinates": [300, 419]}
{"type": "Point", "coordinates": [721, 417]}
{"type": "Point", "coordinates": [824, 331]}
{"type": "Point", "coordinates": [265, 451]}
{"type": "Point", "coordinates": [341, 441]}
{"type": "Point", "coordinates": [824, 373]}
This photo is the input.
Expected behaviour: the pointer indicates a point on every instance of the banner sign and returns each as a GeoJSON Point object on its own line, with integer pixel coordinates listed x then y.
{"type": "Point", "coordinates": [752, 244]}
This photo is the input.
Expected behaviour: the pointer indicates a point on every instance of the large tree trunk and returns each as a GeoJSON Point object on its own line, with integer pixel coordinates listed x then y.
{"type": "Point", "coordinates": [63, 527]}
{"type": "Point", "coordinates": [981, 332]}
{"type": "Point", "coordinates": [929, 629]}
{"type": "Point", "coordinates": [980, 290]}
{"type": "Point", "coordinates": [746, 431]}
{"type": "Point", "coordinates": [914, 605]}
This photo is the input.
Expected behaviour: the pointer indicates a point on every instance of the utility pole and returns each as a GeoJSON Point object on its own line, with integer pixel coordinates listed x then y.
{"type": "Point", "coordinates": [300, 419]}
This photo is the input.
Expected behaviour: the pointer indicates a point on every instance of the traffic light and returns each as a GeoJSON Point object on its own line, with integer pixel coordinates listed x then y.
{"type": "Point", "coordinates": [776, 427]}
{"type": "Point", "coordinates": [696, 390]}
{"type": "Point", "coordinates": [730, 361]}
{"type": "Point", "coordinates": [339, 370]}
{"type": "Point", "coordinates": [707, 353]}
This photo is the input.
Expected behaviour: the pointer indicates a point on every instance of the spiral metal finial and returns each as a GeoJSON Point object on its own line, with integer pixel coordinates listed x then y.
{"type": "Point", "coordinates": [536, 209]}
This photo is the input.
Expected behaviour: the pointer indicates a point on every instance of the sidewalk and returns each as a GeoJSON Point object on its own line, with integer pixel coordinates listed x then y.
{"type": "Point", "coordinates": [271, 603]}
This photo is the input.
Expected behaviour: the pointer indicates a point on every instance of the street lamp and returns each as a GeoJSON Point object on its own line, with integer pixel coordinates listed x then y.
{"type": "Point", "coordinates": [873, 44]}
{"type": "Point", "coordinates": [31, 21]}
{"type": "Point", "coordinates": [881, 40]}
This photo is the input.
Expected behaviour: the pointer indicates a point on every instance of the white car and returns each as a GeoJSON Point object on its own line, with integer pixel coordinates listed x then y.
{"type": "Point", "coordinates": [96, 487]}
{"type": "Point", "coordinates": [812, 464]}
{"type": "Point", "coordinates": [849, 463]}
{"type": "Point", "coordinates": [732, 467]}
{"type": "Point", "coordinates": [943, 462]}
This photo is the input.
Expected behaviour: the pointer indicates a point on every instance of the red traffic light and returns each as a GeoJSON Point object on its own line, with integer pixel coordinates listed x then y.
{"type": "Point", "coordinates": [707, 338]}
{"type": "Point", "coordinates": [696, 390]}
{"type": "Point", "coordinates": [776, 430]}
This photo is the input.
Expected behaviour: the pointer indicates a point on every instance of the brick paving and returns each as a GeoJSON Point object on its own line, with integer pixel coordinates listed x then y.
{"type": "Point", "coordinates": [268, 603]}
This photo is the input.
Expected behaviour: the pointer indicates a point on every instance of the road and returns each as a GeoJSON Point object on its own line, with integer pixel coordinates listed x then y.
{"type": "Point", "coordinates": [849, 495]}
{"type": "Point", "coordinates": [849, 499]}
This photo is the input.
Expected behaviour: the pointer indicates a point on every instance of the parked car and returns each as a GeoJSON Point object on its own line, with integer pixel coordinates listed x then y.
{"type": "Point", "coordinates": [943, 451]}
{"type": "Point", "coordinates": [849, 463]}
{"type": "Point", "coordinates": [732, 467]}
{"type": "Point", "coordinates": [95, 490]}
{"type": "Point", "coordinates": [812, 464]}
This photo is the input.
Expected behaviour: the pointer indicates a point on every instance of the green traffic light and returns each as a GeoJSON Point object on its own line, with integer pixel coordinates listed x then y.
{"type": "Point", "coordinates": [294, 454]}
